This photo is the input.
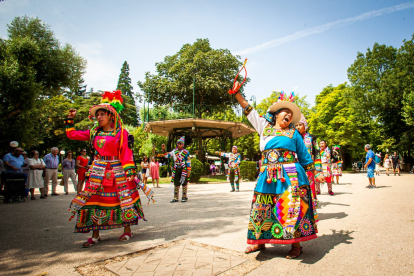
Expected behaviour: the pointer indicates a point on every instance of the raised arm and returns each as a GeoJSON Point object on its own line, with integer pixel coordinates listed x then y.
{"type": "Point", "coordinates": [73, 134]}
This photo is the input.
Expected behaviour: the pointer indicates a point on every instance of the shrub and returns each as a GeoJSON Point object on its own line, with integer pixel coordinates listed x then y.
{"type": "Point", "coordinates": [197, 170]}
{"type": "Point", "coordinates": [248, 170]}
{"type": "Point", "coordinates": [163, 171]}
{"type": "Point", "coordinates": [60, 176]}
{"type": "Point", "coordinates": [206, 168]}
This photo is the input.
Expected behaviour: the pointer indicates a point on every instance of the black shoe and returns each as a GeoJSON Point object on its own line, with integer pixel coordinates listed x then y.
{"type": "Point", "coordinates": [232, 190]}
{"type": "Point", "coordinates": [184, 199]}
{"type": "Point", "coordinates": [45, 195]}
{"type": "Point", "coordinates": [173, 200]}
{"type": "Point", "coordinates": [42, 197]}
{"type": "Point", "coordinates": [55, 194]}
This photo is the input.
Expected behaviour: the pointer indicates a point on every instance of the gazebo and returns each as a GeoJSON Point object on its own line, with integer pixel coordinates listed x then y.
{"type": "Point", "coordinates": [200, 130]}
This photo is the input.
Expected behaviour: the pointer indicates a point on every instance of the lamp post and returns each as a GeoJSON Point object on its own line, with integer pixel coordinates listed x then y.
{"type": "Point", "coordinates": [62, 153]}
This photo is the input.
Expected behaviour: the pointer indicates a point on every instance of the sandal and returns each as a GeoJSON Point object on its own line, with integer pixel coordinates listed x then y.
{"type": "Point", "coordinates": [127, 237]}
{"type": "Point", "coordinates": [294, 253]}
{"type": "Point", "coordinates": [253, 248]}
{"type": "Point", "coordinates": [91, 242]}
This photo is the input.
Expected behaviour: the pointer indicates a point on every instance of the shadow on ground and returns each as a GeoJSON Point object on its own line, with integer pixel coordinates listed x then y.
{"type": "Point", "coordinates": [48, 238]}
{"type": "Point", "coordinates": [313, 250]}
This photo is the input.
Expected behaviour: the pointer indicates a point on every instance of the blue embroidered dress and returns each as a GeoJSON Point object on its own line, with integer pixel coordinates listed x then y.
{"type": "Point", "coordinates": [282, 208]}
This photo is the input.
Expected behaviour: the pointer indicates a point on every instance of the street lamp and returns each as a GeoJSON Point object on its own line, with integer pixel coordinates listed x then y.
{"type": "Point", "coordinates": [62, 153]}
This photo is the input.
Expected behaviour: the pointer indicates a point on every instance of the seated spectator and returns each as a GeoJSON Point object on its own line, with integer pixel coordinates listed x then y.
{"type": "Point", "coordinates": [14, 161]}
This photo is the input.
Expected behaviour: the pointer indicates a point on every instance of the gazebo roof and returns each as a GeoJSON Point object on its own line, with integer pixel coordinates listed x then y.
{"type": "Point", "coordinates": [238, 129]}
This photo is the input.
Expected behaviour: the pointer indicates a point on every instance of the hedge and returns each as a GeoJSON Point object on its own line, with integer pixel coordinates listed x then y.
{"type": "Point", "coordinates": [197, 170]}
{"type": "Point", "coordinates": [206, 168]}
{"type": "Point", "coordinates": [163, 171]}
{"type": "Point", "coordinates": [248, 170]}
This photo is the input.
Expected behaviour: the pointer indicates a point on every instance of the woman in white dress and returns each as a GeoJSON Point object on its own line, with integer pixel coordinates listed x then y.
{"type": "Point", "coordinates": [35, 179]}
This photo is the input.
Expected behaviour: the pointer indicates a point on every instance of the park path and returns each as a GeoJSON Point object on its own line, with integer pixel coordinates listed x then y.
{"type": "Point", "coordinates": [361, 232]}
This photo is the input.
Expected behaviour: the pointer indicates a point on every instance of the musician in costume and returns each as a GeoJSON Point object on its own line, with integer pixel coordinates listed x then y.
{"type": "Point", "coordinates": [336, 163]}
{"type": "Point", "coordinates": [282, 208]}
{"type": "Point", "coordinates": [110, 198]}
{"type": "Point", "coordinates": [181, 170]}
{"type": "Point", "coordinates": [233, 173]}
{"type": "Point", "coordinates": [325, 155]}
{"type": "Point", "coordinates": [313, 149]}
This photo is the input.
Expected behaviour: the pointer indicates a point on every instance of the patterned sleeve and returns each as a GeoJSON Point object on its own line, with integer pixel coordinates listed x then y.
{"type": "Point", "coordinates": [73, 134]}
{"type": "Point", "coordinates": [305, 159]}
{"type": "Point", "coordinates": [126, 157]}
{"type": "Point", "coordinates": [188, 163]}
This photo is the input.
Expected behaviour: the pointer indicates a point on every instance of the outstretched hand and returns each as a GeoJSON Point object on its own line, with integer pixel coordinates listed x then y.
{"type": "Point", "coordinates": [72, 113]}
{"type": "Point", "coordinates": [321, 178]}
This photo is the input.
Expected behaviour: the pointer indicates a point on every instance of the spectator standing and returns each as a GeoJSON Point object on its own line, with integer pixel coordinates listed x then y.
{"type": "Point", "coordinates": [370, 166]}
{"type": "Point", "coordinates": [395, 159]}
{"type": "Point", "coordinates": [144, 167]}
{"type": "Point", "coordinates": [51, 172]}
{"type": "Point", "coordinates": [82, 165]}
{"type": "Point", "coordinates": [35, 179]}
{"type": "Point", "coordinates": [155, 171]}
{"type": "Point", "coordinates": [68, 168]}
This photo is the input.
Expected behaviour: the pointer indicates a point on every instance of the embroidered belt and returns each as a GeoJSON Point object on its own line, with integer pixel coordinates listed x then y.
{"type": "Point", "coordinates": [278, 156]}
{"type": "Point", "coordinates": [109, 158]}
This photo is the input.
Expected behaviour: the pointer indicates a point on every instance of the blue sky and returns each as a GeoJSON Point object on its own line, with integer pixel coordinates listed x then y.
{"type": "Point", "coordinates": [290, 45]}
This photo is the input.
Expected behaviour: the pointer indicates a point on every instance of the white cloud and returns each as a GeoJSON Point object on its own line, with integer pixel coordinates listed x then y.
{"type": "Point", "coordinates": [8, 6]}
{"type": "Point", "coordinates": [101, 74]}
{"type": "Point", "coordinates": [324, 28]}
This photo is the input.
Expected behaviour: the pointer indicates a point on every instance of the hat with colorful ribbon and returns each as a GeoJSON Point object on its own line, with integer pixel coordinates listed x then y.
{"type": "Point", "coordinates": [111, 101]}
{"type": "Point", "coordinates": [181, 140]}
{"type": "Point", "coordinates": [303, 122]}
{"type": "Point", "coordinates": [284, 101]}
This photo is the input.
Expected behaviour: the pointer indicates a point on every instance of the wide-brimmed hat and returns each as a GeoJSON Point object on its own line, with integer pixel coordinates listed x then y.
{"type": "Point", "coordinates": [286, 102]}
{"type": "Point", "coordinates": [111, 101]}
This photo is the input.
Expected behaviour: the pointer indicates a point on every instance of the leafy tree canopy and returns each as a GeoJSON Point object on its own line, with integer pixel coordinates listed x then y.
{"type": "Point", "coordinates": [213, 69]}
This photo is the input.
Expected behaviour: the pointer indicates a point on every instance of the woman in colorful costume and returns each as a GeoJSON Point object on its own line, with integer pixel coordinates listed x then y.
{"type": "Point", "coordinates": [110, 198]}
{"type": "Point", "coordinates": [233, 174]}
{"type": "Point", "coordinates": [325, 155]}
{"type": "Point", "coordinates": [312, 147]}
{"type": "Point", "coordinates": [336, 163]}
{"type": "Point", "coordinates": [282, 208]}
{"type": "Point", "coordinates": [181, 170]}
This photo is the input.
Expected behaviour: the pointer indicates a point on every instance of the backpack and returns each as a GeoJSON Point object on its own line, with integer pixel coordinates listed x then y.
{"type": "Point", "coordinates": [377, 159]}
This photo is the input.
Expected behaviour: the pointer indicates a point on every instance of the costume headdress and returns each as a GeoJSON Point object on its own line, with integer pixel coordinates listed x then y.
{"type": "Point", "coordinates": [181, 140]}
{"type": "Point", "coordinates": [336, 147]}
{"type": "Point", "coordinates": [303, 121]}
{"type": "Point", "coordinates": [235, 147]}
{"type": "Point", "coordinates": [111, 102]}
{"type": "Point", "coordinates": [284, 101]}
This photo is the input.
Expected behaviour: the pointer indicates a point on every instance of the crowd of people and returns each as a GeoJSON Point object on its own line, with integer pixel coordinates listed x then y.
{"type": "Point", "coordinates": [39, 172]}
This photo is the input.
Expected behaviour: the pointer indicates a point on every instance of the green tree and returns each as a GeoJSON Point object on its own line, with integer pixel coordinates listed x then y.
{"type": "Point", "coordinates": [381, 82]}
{"type": "Point", "coordinates": [335, 121]}
{"type": "Point", "coordinates": [213, 70]}
{"type": "Point", "coordinates": [131, 115]}
{"type": "Point", "coordinates": [124, 81]}
{"type": "Point", "coordinates": [34, 67]}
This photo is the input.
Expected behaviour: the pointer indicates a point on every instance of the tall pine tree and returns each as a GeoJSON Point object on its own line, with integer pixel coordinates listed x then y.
{"type": "Point", "coordinates": [130, 115]}
{"type": "Point", "coordinates": [124, 81]}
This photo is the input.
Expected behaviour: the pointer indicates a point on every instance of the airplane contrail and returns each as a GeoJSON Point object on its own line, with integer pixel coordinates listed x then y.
{"type": "Point", "coordinates": [324, 27]}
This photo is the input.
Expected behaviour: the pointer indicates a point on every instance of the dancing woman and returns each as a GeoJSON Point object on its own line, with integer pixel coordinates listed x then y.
{"type": "Point", "coordinates": [110, 198]}
{"type": "Point", "coordinates": [282, 208]}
